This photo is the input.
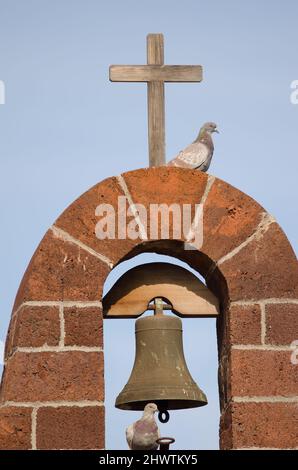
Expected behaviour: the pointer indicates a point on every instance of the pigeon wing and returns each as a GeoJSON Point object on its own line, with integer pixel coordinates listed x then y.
{"type": "Point", "coordinates": [193, 156]}
{"type": "Point", "coordinates": [145, 433]}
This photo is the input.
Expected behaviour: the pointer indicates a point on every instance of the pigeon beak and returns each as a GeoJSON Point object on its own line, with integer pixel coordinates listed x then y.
{"type": "Point", "coordinates": [216, 130]}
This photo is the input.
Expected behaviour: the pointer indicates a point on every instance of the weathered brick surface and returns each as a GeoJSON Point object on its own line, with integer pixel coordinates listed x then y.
{"type": "Point", "coordinates": [80, 221]}
{"type": "Point", "coordinates": [83, 326]}
{"type": "Point", "coordinates": [271, 425]}
{"type": "Point", "coordinates": [230, 217]}
{"type": "Point", "coordinates": [36, 326]}
{"type": "Point", "coordinates": [263, 373]}
{"type": "Point", "coordinates": [176, 248]}
{"type": "Point", "coordinates": [265, 268]}
{"type": "Point", "coordinates": [166, 186]}
{"type": "Point", "coordinates": [72, 375]}
{"type": "Point", "coordinates": [15, 428]}
{"type": "Point", "coordinates": [224, 380]}
{"type": "Point", "coordinates": [9, 337]}
{"type": "Point", "coordinates": [225, 429]}
{"type": "Point", "coordinates": [281, 323]}
{"type": "Point", "coordinates": [245, 324]}
{"type": "Point", "coordinates": [70, 428]}
{"type": "Point", "coordinates": [60, 270]}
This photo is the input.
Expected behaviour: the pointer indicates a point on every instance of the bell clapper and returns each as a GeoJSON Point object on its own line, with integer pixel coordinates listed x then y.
{"type": "Point", "coordinates": [158, 306]}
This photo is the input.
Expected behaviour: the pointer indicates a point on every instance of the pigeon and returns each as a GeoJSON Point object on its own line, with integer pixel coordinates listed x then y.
{"type": "Point", "coordinates": [197, 155]}
{"type": "Point", "coordinates": [142, 434]}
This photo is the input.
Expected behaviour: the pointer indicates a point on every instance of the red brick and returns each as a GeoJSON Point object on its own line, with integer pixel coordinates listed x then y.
{"type": "Point", "coordinates": [79, 219]}
{"type": "Point", "coordinates": [9, 337]}
{"type": "Point", "coordinates": [281, 323]}
{"type": "Point", "coordinates": [62, 271]}
{"type": "Point", "coordinates": [230, 217]}
{"type": "Point", "coordinates": [265, 268]}
{"type": "Point", "coordinates": [70, 428]}
{"type": "Point", "coordinates": [224, 380]}
{"type": "Point", "coordinates": [72, 375]}
{"type": "Point", "coordinates": [83, 326]}
{"type": "Point", "coordinates": [36, 326]}
{"type": "Point", "coordinates": [263, 373]}
{"type": "Point", "coordinates": [245, 324]}
{"type": "Point", "coordinates": [165, 185]}
{"type": "Point", "coordinates": [226, 430]}
{"type": "Point", "coordinates": [196, 259]}
{"type": "Point", "coordinates": [15, 428]}
{"type": "Point", "coordinates": [217, 283]}
{"type": "Point", "coordinates": [264, 425]}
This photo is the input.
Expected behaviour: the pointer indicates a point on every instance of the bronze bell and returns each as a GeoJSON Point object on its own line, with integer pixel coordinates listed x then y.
{"type": "Point", "coordinates": [160, 373]}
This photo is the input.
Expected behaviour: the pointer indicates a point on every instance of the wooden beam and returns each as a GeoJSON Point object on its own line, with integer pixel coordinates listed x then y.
{"type": "Point", "coordinates": [156, 103]}
{"type": "Point", "coordinates": [155, 49]}
{"type": "Point", "coordinates": [148, 73]}
{"type": "Point", "coordinates": [130, 295]}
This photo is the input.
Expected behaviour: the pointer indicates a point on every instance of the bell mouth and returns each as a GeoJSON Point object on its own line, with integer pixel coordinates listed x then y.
{"type": "Point", "coordinates": [162, 405]}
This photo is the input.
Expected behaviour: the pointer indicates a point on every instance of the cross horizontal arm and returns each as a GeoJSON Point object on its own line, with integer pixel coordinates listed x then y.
{"type": "Point", "coordinates": [162, 73]}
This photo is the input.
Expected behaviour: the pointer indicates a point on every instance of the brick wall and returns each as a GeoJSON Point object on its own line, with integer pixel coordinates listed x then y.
{"type": "Point", "coordinates": [52, 392]}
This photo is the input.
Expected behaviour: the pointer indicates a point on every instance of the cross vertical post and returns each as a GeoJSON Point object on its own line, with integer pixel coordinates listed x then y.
{"type": "Point", "coordinates": [156, 103]}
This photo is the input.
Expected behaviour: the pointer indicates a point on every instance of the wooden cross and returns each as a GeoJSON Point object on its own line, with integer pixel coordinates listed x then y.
{"type": "Point", "coordinates": [155, 73]}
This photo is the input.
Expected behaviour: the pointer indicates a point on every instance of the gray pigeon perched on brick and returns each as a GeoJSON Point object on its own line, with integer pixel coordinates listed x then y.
{"type": "Point", "coordinates": [142, 434]}
{"type": "Point", "coordinates": [197, 155]}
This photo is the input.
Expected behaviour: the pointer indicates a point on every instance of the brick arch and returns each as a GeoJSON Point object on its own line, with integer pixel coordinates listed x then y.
{"type": "Point", "coordinates": [52, 390]}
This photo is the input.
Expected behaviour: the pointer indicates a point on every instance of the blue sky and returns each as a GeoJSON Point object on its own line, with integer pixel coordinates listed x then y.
{"type": "Point", "coordinates": [65, 127]}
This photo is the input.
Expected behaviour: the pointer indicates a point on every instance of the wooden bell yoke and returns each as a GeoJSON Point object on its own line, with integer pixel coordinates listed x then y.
{"type": "Point", "coordinates": [184, 293]}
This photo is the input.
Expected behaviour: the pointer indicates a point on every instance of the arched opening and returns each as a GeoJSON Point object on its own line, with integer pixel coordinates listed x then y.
{"type": "Point", "coordinates": [53, 380]}
{"type": "Point", "coordinates": [192, 428]}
